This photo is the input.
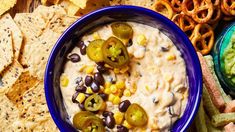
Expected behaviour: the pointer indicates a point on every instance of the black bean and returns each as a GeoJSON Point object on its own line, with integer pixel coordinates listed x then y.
{"type": "Point", "coordinates": [81, 89]}
{"type": "Point", "coordinates": [101, 69]}
{"type": "Point", "coordinates": [100, 63]}
{"type": "Point", "coordinates": [83, 49]}
{"type": "Point", "coordinates": [103, 96]}
{"type": "Point", "coordinates": [81, 106]}
{"type": "Point", "coordinates": [124, 105]}
{"type": "Point", "coordinates": [80, 44]}
{"type": "Point", "coordinates": [74, 57]}
{"type": "Point", "coordinates": [95, 87]}
{"type": "Point", "coordinates": [121, 128]}
{"type": "Point", "coordinates": [74, 97]}
{"type": "Point", "coordinates": [130, 43]}
{"type": "Point", "coordinates": [98, 78]}
{"type": "Point", "coordinates": [106, 113]}
{"type": "Point", "coordinates": [95, 112]}
{"type": "Point", "coordinates": [110, 121]}
{"type": "Point", "coordinates": [88, 80]}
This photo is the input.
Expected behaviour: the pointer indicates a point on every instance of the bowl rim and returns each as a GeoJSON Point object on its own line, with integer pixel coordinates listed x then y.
{"type": "Point", "coordinates": [58, 121]}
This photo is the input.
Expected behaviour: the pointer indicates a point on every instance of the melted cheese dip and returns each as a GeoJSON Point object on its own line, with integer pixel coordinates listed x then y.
{"type": "Point", "coordinates": [156, 77]}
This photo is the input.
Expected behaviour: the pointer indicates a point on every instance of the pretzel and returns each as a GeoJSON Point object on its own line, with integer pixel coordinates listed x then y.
{"type": "Point", "coordinates": [176, 5]}
{"type": "Point", "coordinates": [200, 10]}
{"type": "Point", "coordinates": [216, 15]}
{"type": "Point", "coordinates": [225, 11]}
{"type": "Point", "coordinates": [229, 5]}
{"type": "Point", "coordinates": [185, 23]}
{"type": "Point", "coordinates": [163, 7]}
{"type": "Point", "coordinates": [215, 2]}
{"type": "Point", "coordinates": [203, 38]}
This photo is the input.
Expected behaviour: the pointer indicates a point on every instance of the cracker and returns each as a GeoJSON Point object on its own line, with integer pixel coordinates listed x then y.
{"type": "Point", "coordinates": [38, 52]}
{"type": "Point", "coordinates": [6, 49]}
{"type": "Point", "coordinates": [143, 3]}
{"type": "Point", "coordinates": [31, 26]}
{"type": "Point", "coordinates": [34, 107]}
{"type": "Point", "coordinates": [11, 74]}
{"type": "Point", "coordinates": [6, 5]}
{"type": "Point", "coordinates": [8, 113]}
{"type": "Point", "coordinates": [48, 12]}
{"type": "Point", "coordinates": [22, 84]}
{"type": "Point", "coordinates": [6, 22]}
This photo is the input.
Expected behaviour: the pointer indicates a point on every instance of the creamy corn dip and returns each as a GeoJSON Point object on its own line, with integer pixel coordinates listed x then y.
{"type": "Point", "coordinates": [155, 78]}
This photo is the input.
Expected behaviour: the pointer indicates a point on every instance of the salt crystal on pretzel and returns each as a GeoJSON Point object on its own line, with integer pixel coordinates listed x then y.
{"type": "Point", "coordinates": [229, 127]}
{"type": "Point", "coordinates": [211, 85]}
{"type": "Point", "coordinates": [230, 107]}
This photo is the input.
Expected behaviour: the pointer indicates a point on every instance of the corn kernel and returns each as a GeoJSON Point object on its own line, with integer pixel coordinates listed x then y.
{"type": "Point", "coordinates": [96, 35]}
{"type": "Point", "coordinates": [118, 116]}
{"type": "Point", "coordinates": [103, 106]}
{"type": "Point", "coordinates": [127, 125]}
{"type": "Point", "coordinates": [89, 90]}
{"type": "Point", "coordinates": [168, 77]}
{"type": "Point", "coordinates": [116, 70]}
{"type": "Point", "coordinates": [111, 97]}
{"type": "Point", "coordinates": [107, 84]}
{"type": "Point", "coordinates": [116, 100]}
{"type": "Point", "coordinates": [89, 69]}
{"type": "Point", "coordinates": [113, 88]}
{"type": "Point", "coordinates": [107, 90]}
{"type": "Point", "coordinates": [171, 57]}
{"type": "Point", "coordinates": [127, 93]}
{"type": "Point", "coordinates": [108, 66]}
{"type": "Point", "coordinates": [119, 93]}
{"type": "Point", "coordinates": [64, 81]}
{"type": "Point", "coordinates": [147, 88]}
{"type": "Point", "coordinates": [141, 40]}
{"type": "Point", "coordinates": [81, 97]}
{"type": "Point", "coordinates": [120, 84]}
{"type": "Point", "coordinates": [82, 68]}
{"type": "Point", "coordinates": [124, 69]}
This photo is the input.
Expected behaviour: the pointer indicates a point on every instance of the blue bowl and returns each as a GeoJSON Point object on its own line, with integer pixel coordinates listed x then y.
{"type": "Point", "coordinates": [120, 13]}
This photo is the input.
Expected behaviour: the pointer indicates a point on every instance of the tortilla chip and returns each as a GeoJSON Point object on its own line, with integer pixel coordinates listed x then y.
{"type": "Point", "coordinates": [6, 49]}
{"type": "Point", "coordinates": [80, 3]}
{"type": "Point", "coordinates": [116, 2]}
{"type": "Point", "coordinates": [11, 74]}
{"type": "Point", "coordinates": [8, 113]}
{"type": "Point", "coordinates": [72, 9]}
{"type": "Point", "coordinates": [23, 83]}
{"type": "Point", "coordinates": [6, 5]}
{"type": "Point", "coordinates": [34, 107]}
{"type": "Point", "coordinates": [6, 22]}
{"type": "Point", "coordinates": [92, 5]}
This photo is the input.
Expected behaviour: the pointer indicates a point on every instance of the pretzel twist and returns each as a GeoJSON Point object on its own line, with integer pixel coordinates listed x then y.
{"type": "Point", "coordinates": [197, 7]}
{"type": "Point", "coordinates": [203, 38]}
{"type": "Point", "coordinates": [185, 23]}
{"type": "Point", "coordinates": [229, 6]}
{"type": "Point", "coordinates": [163, 7]}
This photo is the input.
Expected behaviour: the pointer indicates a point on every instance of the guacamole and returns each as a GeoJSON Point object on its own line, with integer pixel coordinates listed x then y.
{"type": "Point", "coordinates": [229, 58]}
